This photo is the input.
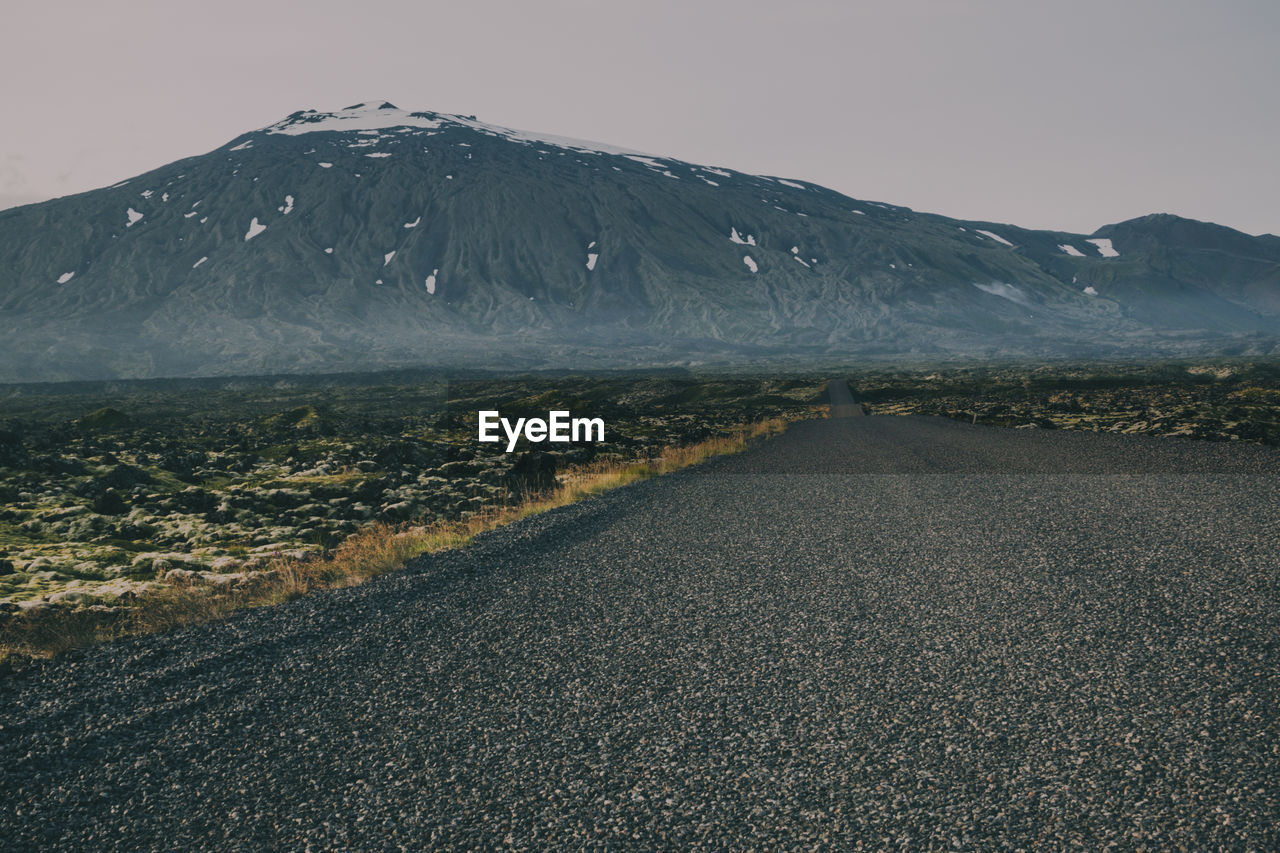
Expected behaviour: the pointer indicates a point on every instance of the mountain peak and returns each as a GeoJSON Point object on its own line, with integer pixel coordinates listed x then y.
{"type": "Point", "coordinates": [1171, 228]}
{"type": "Point", "coordinates": [371, 105]}
{"type": "Point", "coordinates": [384, 115]}
{"type": "Point", "coordinates": [371, 115]}
{"type": "Point", "coordinates": [1163, 220]}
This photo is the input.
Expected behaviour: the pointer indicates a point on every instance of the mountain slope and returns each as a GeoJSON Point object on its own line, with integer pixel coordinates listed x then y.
{"type": "Point", "coordinates": [374, 237]}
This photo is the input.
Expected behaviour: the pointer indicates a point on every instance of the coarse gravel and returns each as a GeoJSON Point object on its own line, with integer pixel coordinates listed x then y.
{"type": "Point", "coordinates": [868, 633]}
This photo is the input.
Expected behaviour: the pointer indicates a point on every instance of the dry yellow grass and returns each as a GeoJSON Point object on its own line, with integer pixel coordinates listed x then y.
{"type": "Point", "coordinates": [374, 550]}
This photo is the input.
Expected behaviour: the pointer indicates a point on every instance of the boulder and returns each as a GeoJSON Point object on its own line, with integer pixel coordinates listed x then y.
{"type": "Point", "coordinates": [110, 502]}
{"type": "Point", "coordinates": [401, 511]}
{"type": "Point", "coordinates": [35, 608]}
{"type": "Point", "coordinates": [135, 531]}
{"type": "Point", "coordinates": [533, 472]}
{"type": "Point", "coordinates": [459, 469]}
{"type": "Point", "coordinates": [69, 596]}
{"type": "Point", "coordinates": [398, 454]}
{"type": "Point", "coordinates": [124, 476]}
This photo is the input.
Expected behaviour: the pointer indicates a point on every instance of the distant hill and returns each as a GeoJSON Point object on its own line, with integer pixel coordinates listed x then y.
{"type": "Point", "coordinates": [374, 237]}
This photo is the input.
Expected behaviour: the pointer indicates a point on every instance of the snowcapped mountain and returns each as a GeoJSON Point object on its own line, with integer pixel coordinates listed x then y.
{"type": "Point", "coordinates": [373, 237]}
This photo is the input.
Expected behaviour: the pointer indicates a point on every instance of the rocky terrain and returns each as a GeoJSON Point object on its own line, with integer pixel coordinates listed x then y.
{"type": "Point", "coordinates": [1234, 400]}
{"type": "Point", "coordinates": [111, 491]}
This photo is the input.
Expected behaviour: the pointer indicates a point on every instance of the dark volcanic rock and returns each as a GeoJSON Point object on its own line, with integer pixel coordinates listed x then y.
{"type": "Point", "coordinates": [110, 503]}
{"type": "Point", "coordinates": [398, 454]}
{"type": "Point", "coordinates": [103, 419]}
{"type": "Point", "coordinates": [533, 471]}
{"type": "Point", "coordinates": [124, 476]}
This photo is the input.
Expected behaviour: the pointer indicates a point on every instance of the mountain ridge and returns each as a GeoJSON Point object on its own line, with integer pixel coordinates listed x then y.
{"type": "Point", "coordinates": [376, 237]}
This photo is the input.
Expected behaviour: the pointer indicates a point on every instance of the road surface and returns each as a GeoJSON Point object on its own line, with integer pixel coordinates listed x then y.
{"type": "Point", "coordinates": [879, 632]}
{"type": "Point", "coordinates": [843, 404]}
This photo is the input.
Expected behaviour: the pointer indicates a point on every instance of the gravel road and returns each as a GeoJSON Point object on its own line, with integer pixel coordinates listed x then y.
{"type": "Point", "coordinates": [869, 633]}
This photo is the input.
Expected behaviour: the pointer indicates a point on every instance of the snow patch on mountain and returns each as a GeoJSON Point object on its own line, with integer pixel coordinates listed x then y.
{"type": "Point", "coordinates": [134, 217]}
{"type": "Point", "coordinates": [1104, 247]}
{"type": "Point", "coordinates": [374, 116]}
{"type": "Point", "coordinates": [1004, 291]}
{"type": "Point", "coordinates": [795, 254]}
{"type": "Point", "coordinates": [735, 237]}
{"type": "Point", "coordinates": [591, 260]}
{"type": "Point", "coordinates": [386, 259]}
{"type": "Point", "coordinates": [1090, 291]}
{"type": "Point", "coordinates": [199, 262]}
{"type": "Point", "coordinates": [995, 237]}
{"type": "Point", "coordinates": [287, 207]}
{"type": "Point", "coordinates": [651, 163]}
{"type": "Point", "coordinates": [750, 262]}
{"type": "Point", "coordinates": [431, 281]}
{"type": "Point", "coordinates": [66, 277]}
{"type": "Point", "coordinates": [255, 228]}
{"type": "Point", "coordinates": [1071, 250]}
{"type": "Point", "coordinates": [359, 117]}
{"type": "Point", "coordinates": [414, 223]}
{"type": "Point", "coordinates": [792, 184]}
{"type": "Point", "coordinates": [581, 146]}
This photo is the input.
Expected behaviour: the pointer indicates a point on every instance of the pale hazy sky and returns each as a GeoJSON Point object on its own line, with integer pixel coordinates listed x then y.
{"type": "Point", "coordinates": [1062, 115]}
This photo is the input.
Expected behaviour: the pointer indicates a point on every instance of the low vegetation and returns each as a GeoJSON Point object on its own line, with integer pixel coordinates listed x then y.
{"type": "Point", "coordinates": [134, 507]}
{"type": "Point", "coordinates": [137, 509]}
{"type": "Point", "coordinates": [1230, 400]}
